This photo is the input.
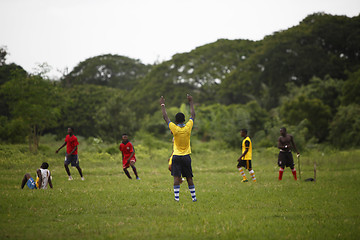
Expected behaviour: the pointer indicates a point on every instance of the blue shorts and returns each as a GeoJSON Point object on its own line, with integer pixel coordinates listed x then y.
{"type": "Point", "coordinates": [31, 183]}
{"type": "Point", "coordinates": [73, 159]}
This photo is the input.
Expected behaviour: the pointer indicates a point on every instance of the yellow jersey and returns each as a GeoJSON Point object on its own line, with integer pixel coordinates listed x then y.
{"type": "Point", "coordinates": [248, 155]}
{"type": "Point", "coordinates": [181, 137]}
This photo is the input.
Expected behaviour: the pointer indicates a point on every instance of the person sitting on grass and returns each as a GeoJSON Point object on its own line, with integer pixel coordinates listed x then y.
{"type": "Point", "coordinates": [42, 180]}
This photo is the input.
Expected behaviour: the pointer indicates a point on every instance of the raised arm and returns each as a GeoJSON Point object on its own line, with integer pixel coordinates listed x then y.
{"type": "Point", "coordinates": [192, 110]}
{"type": "Point", "coordinates": [163, 110]}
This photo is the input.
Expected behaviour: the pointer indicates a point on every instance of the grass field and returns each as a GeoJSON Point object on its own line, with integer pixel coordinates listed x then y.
{"type": "Point", "coordinates": [109, 206]}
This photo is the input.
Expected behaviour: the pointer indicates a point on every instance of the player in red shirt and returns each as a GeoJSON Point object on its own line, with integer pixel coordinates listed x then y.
{"type": "Point", "coordinates": [128, 156]}
{"type": "Point", "coordinates": [71, 143]}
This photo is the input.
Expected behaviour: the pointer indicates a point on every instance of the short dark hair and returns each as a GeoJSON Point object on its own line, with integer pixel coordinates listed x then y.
{"type": "Point", "coordinates": [244, 130]}
{"type": "Point", "coordinates": [283, 128]}
{"type": "Point", "coordinates": [44, 165]}
{"type": "Point", "coordinates": [124, 134]}
{"type": "Point", "coordinates": [179, 117]}
{"type": "Point", "coordinates": [72, 129]}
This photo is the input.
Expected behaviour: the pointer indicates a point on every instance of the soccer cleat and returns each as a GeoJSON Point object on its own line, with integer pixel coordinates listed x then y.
{"type": "Point", "coordinates": [82, 178]}
{"type": "Point", "coordinates": [137, 178]}
{"type": "Point", "coordinates": [244, 180]}
{"type": "Point", "coordinates": [177, 200]}
{"type": "Point", "coordinates": [70, 178]}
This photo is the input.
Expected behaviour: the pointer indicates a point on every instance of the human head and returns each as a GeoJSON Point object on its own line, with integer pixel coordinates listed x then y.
{"type": "Point", "coordinates": [283, 131]}
{"type": "Point", "coordinates": [124, 137]}
{"type": "Point", "coordinates": [243, 132]}
{"type": "Point", "coordinates": [44, 165]}
{"type": "Point", "coordinates": [70, 130]}
{"type": "Point", "coordinates": [179, 118]}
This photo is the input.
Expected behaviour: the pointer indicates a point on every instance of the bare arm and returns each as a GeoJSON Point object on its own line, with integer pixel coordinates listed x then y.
{"type": "Point", "coordinates": [40, 177]}
{"type": "Point", "coordinates": [163, 110]}
{"type": "Point", "coordinates": [192, 110]}
{"type": "Point", "coordinates": [132, 154]}
{"type": "Point", "coordinates": [280, 145]}
{"type": "Point", "coordinates": [50, 182]}
{"type": "Point", "coordinates": [243, 155]}
{"type": "Point", "coordinates": [73, 150]}
{"type": "Point", "coordinates": [61, 147]}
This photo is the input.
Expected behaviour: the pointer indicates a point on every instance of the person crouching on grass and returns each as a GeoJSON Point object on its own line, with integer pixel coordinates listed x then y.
{"type": "Point", "coordinates": [71, 143]}
{"type": "Point", "coordinates": [246, 156]}
{"type": "Point", "coordinates": [128, 156]}
{"type": "Point", "coordinates": [43, 178]}
{"type": "Point", "coordinates": [181, 160]}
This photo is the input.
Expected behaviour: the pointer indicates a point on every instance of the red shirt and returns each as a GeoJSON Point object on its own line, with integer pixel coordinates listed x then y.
{"type": "Point", "coordinates": [127, 149]}
{"type": "Point", "coordinates": [71, 143]}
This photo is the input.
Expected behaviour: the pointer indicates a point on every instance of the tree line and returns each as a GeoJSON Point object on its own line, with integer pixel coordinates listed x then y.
{"type": "Point", "coordinates": [306, 78]}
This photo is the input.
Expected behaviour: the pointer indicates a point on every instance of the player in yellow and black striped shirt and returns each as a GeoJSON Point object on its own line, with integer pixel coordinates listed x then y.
{"type": "Point", "coordinates": [246, 157]}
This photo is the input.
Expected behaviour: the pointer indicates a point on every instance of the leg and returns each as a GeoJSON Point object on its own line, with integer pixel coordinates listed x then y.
{"type": "Point", "coordinates": [67, 169]}
{"type": "Point", "coordinates": [293, 170]}
{"type": "Point", "coordinates": [252, 173]}
{"type": "Point", "coordinates": [80, 171]}
{"type": "Point", "coordinates": [25, 179]}
{"type": "Point", "coordinates": [241, 170]}
{"type": "Point", "coordinates": [191, 188]}
{"type": "Point", "coordinates": [127, 173]}
{"type": "Point", "coordinates": [177, 187]}
{"type": "Point", "coordinates": [132, 164]}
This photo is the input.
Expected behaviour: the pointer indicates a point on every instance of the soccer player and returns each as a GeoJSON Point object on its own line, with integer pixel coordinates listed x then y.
{"type": "Point", "coordinates": [42, 180]}
{"type": "Point", "coordinates": [285, 144]}
{"type": "Point", "coordinates": [246, 156]}
{"type": "Point", "coordinates": [128, 156]}
{"type": "Point", "coordinates": [71, 143]}
{"type": "Point", "coordinates": [181, 160]}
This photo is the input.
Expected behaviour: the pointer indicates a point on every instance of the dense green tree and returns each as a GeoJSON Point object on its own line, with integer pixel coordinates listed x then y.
{"type": "Point", "coordinates": [32, 102]}
{"type": "Point", "coordinates": [345, 127]}
{"type": "Point", "coordinates": [107, 70]}
{"type": "Point", "coordinates": [351, 89]}
{"type": "Point", "coordinates": [314, 110]}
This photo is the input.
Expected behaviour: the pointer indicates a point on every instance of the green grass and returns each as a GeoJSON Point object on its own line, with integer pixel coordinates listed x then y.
{"type": "Point", "coordinates": [109, 206]}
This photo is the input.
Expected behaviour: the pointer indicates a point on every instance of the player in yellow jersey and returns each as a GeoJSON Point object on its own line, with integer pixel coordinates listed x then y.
{"type": "Point", "coordinates": [181, 160]}
{"type": "Point", "coordinates": [246, 157]}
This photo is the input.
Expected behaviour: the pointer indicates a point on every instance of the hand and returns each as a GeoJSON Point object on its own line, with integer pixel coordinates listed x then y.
{"type": "Point", "coordinates": [162, 100]}
{"type": "Point", "coordinates": [56, 151]}
{"type": "Point", "coordinates": [189, 97]}
{"type": "Point", "coordinates": [298, 154]}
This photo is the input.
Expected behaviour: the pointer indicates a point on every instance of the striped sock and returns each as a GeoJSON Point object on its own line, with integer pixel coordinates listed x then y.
{"type": "Point", "coordinates": [294, 173]}
{"type": "Point", "coordinates": [192, 191]}
{"type": "Point", "coordinates": [176, 192]}
{"type": "Point", "coordinates": [242, 173]}
{"type": "Point", "coordinates": [281, 171]}
{"type": "Point", "coordinates": [252, 173]}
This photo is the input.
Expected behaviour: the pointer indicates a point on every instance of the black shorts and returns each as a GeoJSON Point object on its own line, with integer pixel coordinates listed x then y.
{"type": "Point", "coordinates": [73, 159]}
{"type": "Point", "coordinates": [181, 165]}
{"type": "Point", "coordinates": [286, 160]}
{"type": "Point", "coordinates": [244, 163]}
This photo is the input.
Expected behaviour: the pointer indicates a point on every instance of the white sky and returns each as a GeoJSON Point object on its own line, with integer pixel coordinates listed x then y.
{"type": "Point", "coordinates": [64, 32]}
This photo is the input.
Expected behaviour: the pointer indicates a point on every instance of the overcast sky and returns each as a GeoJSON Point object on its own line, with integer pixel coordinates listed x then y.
{"type": "Point", "coordinates": [63, 33]}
